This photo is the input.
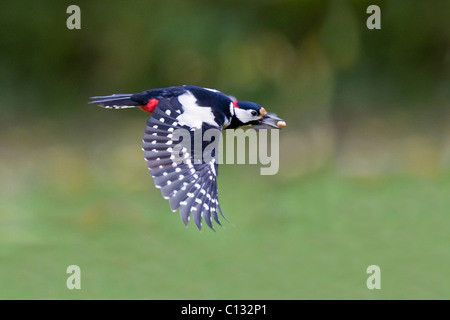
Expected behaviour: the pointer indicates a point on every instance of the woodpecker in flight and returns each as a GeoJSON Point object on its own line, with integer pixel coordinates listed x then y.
{"type": "Point", "coordinates": [189, 185]}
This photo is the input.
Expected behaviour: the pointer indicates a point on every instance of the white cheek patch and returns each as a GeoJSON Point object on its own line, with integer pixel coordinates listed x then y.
{"type": "Point", "coordinates": [193, 115]}
{"type": "Point", "coordinates": [244, 115]}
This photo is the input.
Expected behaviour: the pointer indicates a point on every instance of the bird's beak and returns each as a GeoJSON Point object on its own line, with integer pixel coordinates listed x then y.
{"type": "Point", "coordinates": [263, 112]}
{"type": "Point", "coordinates": [269, 119]}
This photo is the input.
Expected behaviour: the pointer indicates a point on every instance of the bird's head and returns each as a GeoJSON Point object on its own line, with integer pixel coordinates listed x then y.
{"type": "Point", "coordinates": [251, 114]}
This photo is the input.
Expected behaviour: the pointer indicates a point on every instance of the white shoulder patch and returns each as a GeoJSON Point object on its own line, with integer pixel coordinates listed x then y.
{"type": "Point", "coordinates": [193, 115]}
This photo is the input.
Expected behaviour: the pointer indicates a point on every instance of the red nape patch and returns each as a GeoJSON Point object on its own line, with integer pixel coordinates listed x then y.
{"type": "Point", "coordinates": [235, 104]}
{"type": "Point", "coordinates": [150, 106]}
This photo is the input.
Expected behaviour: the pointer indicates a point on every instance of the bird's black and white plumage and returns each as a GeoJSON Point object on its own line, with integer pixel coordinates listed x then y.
{"type": "Point", "coordinates": [178, 116]}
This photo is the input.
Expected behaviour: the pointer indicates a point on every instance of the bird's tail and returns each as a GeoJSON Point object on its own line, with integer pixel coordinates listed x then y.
{"type": "Point", "coordinates": [116, 101]}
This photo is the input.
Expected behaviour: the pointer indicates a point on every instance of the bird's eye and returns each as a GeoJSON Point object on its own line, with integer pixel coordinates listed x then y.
{"type": "Point", "coordinates": [254, 113]}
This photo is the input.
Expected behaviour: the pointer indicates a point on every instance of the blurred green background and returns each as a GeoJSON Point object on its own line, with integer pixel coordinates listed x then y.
{"type": "Point", "coordinates": [364, 161]}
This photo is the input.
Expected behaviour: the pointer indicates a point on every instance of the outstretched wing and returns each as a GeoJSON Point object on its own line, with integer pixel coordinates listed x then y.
{"type": "Point", "coordinates": [182, 164]}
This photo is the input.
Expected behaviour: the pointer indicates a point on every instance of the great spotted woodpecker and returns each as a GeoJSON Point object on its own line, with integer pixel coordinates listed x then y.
{"type": "Point", "coordinates": [189, 185]}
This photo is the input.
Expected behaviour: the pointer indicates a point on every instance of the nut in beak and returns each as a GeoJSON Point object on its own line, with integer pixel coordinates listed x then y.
{"type": "Point", "coordinates": [281, 124]}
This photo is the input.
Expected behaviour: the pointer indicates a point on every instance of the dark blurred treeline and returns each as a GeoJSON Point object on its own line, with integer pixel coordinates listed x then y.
{"type": "Point", "coordinates": [302, 57]}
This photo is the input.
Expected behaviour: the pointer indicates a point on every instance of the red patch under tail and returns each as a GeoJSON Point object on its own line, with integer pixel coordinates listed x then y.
{"type": "Point", "coordinates": [150, 106]}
